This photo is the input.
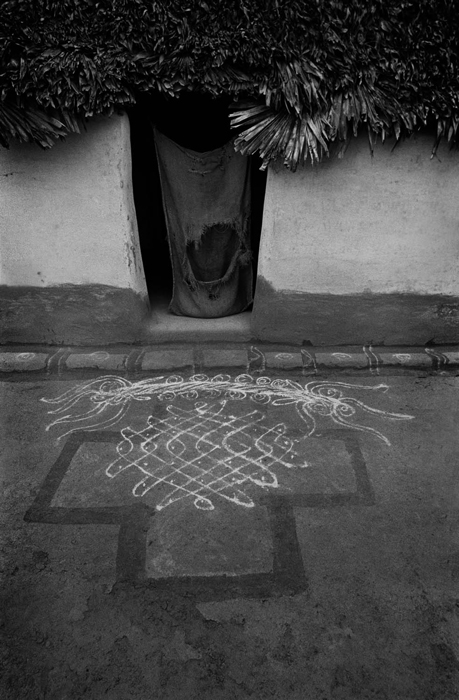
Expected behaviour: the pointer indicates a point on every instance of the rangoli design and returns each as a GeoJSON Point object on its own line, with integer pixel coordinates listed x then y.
{"type": "Point", "coordinates": [204, 453]}
{"type": "Point", "coordinates": [104, 401]}
{"type": "Point", "coordinates": [206, 450]}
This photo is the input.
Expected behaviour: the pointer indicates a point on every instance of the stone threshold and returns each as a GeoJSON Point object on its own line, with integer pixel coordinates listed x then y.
{"type": "Point", "coordinates": [249, 357]}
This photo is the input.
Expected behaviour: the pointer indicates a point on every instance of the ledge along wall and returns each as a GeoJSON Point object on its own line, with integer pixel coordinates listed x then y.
{"type": "Point", "coordinates": [362, 249]}
{"type": "Point", "coordinates": [70, 269]}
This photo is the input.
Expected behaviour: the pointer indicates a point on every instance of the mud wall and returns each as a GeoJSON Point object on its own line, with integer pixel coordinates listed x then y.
{"type": "Point", "coordinates": [362, 249]}
{"type": "Point", "coordinates": [71, 268]}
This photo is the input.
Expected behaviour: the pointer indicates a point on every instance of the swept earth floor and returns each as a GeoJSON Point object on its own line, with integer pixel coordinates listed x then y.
{"type": "Point", "coordinates": [230, 536]}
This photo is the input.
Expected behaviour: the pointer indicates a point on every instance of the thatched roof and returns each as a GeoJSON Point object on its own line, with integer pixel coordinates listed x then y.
{"type": "Point", "coordinates": [308, 71]}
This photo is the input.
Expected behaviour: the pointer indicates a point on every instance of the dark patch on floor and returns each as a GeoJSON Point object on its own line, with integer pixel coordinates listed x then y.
{"type": "Point", "coordinates": [378, 619]}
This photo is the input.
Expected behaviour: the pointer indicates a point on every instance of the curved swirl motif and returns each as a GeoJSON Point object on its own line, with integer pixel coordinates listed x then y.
{"type": "Point", "coordinates": [104, 401]}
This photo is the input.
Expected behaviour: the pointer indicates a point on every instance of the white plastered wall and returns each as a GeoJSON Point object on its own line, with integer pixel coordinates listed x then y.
{"type": "Point", "coordinates": [384, 224]}
{"type": "Point", "coordinates": [67, 214]}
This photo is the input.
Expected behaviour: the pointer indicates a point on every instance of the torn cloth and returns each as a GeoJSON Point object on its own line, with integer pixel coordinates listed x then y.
{"type": "Point", "coordinates": [206, 199]}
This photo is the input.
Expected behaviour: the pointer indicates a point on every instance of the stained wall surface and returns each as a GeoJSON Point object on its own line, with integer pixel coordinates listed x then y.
{"type": "Point", "coordinates": [67, 213]}
{"type": "Point", "coordinates": [68, 226]}
{"type": "Point", "coordinates": [350, 239]}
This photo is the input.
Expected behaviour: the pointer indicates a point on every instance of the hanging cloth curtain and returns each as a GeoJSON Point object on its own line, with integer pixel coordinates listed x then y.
{"type": "Point", "coordinates": [206, 198]}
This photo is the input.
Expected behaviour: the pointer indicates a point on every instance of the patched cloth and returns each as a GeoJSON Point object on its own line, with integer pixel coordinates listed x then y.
{"type": "Point", "coordinates": [206, 199]}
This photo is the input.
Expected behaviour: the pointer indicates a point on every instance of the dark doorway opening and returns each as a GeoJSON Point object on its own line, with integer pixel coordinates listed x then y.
{"type": "Point", "coordinates": [193, 121]}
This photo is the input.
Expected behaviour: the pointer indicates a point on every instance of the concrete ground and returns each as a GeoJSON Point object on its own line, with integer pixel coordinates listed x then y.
{"type": "Point", "coordinates": [281, 534]}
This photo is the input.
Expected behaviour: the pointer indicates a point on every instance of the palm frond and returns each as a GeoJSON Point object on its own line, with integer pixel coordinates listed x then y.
{"type": "Point", "coordinates": [32, 125]}
{"type": "Point", "coordinates": [280, 134]}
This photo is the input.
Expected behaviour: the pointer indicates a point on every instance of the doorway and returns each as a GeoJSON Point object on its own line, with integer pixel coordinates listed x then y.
{"type": "Point", "coordinates": [193, 121]}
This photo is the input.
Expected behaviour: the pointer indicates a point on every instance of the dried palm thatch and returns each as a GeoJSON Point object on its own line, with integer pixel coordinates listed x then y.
{"type": "Point", "coordinates": [313, 71]}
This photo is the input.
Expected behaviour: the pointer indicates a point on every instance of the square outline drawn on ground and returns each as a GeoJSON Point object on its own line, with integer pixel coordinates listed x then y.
{"type": "Point", "coordinates": [287, 576]}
